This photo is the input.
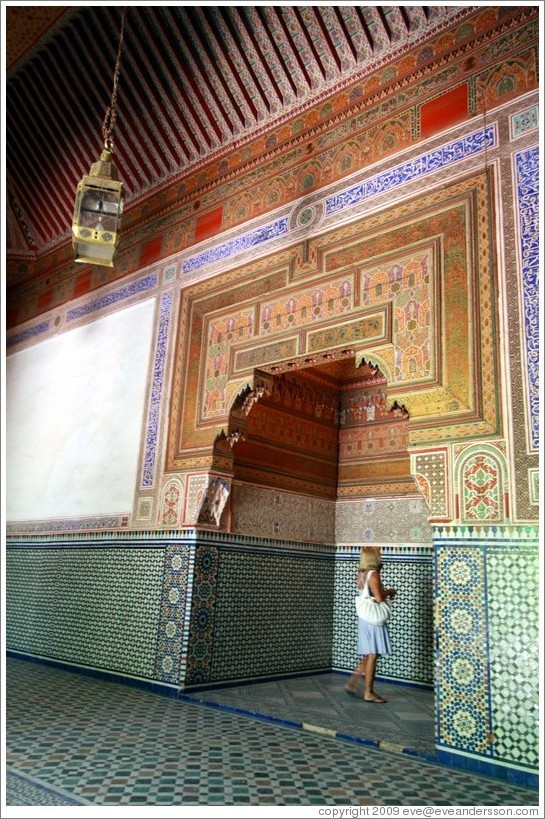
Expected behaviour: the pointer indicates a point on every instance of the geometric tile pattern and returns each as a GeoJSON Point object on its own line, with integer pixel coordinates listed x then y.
{"type": "Point", "coordinates": [487, 666]}
{"type": "Point", "coordinates": [514, 652]}
{"type": "Point", "coordinates": [255, 609]}
{"type": "Point", "coordinates": [462, 684]}
{"type": "Point", "coordinates": [524, 121]}
{"type": "Point", "coordinates": [108, 744]}
{"type": "Point", "coordinates": [201, 618]}
{"type": "Point", "coordinates": [175, 592]}
{"type": "Point", "coordinates": [23, 790]}
{"type": "Point", "coordinates": [96, 607]}
{"type": "Point", "coordinates": [430, 469]}
{"type": "Point", "coordinates": [272, 613]}
{"type": "Point", "coordinates": [411, 624]}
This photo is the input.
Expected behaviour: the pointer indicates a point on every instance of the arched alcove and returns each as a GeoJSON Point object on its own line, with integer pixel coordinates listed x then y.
{"type": "Point", "coordinates": [307, 434]}
{"type": "Point", "coordinates": [316, 453]}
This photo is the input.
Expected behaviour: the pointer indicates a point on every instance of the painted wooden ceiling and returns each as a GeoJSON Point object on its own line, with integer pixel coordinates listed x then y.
{"type": "Point", "coordinates": [194, 81]}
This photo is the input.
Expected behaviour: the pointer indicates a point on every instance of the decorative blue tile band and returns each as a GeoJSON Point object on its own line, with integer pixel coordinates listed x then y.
{"type": "Point", "coordinates": [156, 390]}
{"type": "Point", "coordinates": [415, 168]}
{"type": "Point", "coordinates": [139, 286]}
{"type": "Point", "coordinates": [527, 175]}
{"type": "Point", "coordinates": [36, 330]}
{"type": "Point", "coordinates": [520, 778]}
{"type": "Point", "coordinates": [234, 246]}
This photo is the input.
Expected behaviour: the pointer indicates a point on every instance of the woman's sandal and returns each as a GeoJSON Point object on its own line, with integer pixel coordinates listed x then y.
{"type": "Point", "coordinates": [376, 698]}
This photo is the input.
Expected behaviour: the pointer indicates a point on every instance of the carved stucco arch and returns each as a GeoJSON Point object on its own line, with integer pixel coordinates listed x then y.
{"type": "Point", "coordinates": [263, 382]}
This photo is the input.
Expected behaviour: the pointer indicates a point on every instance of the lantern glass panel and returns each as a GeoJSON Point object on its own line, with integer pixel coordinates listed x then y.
{"type": "Point", "coordinates": [99, 209]}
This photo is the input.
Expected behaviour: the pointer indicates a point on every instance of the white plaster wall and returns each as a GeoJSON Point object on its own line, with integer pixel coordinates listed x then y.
{"type": "Point", "coordinates": [74, 411]}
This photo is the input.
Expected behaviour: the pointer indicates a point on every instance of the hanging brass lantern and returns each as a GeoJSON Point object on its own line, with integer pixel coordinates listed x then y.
{"type": "Point", "coordinates": [99, 195]}
{"type": "Point", "coordinates": [97, 213]}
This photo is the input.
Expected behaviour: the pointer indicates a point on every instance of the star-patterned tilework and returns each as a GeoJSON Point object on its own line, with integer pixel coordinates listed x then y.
{"type": "Point", "coordinates": [92, 741]}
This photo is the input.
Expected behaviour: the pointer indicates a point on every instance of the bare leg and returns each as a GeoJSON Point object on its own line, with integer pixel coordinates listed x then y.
{"type": "Point", "coordinates": [360, 668]}
{"type": "Point", "coordinates": [369, 694]}
{"type": "Point", "coordinates": [356, 677]}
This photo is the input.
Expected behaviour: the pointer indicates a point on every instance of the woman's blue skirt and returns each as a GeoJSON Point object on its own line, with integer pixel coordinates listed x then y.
{"type": "Point", "coordinates": [373, 639]}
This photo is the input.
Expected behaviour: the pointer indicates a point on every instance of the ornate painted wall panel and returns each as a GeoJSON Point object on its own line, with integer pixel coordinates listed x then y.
{"type": "Point", "coordinates": [480, 474]}
{"type": "Point", "coordinates": [421, 349]}
{"type": "Point", "coordinates": [522, 288]}
{"type": "Point", "coordinates": [441, 337]}
{"type": "Point", "coordinates": [196, 489]}
{"type": "Point", "coordinates": [171, 504]}
{"type": "Point", "coordinates": [373, 445]}
{"type": "Point", "coordinates": [431, 470]}
{"type": "Point", "coordinates": [422, 262]}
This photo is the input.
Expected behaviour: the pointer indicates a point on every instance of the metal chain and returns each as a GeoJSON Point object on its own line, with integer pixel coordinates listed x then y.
{"type": "Point", "coordinates": [109, 120]}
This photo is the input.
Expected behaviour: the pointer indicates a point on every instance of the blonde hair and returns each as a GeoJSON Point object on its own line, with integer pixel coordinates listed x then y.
{"type": "Point", "coordinates": [370, 558]}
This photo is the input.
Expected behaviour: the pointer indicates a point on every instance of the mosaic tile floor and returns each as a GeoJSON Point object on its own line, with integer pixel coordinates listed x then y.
{"type": "Point", "coordinates": [73, 739]}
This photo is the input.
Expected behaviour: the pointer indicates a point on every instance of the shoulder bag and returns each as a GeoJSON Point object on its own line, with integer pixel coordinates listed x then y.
{"type": "Point", "coordinates": [368, 609]}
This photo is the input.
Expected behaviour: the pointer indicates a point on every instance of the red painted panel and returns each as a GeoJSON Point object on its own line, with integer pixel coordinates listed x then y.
{"type": "Point", "coordinates": [208, 224]}
{"type": "Point", "coordinates": [12, 316]}
{"type": "Point", "coordinates": [150, 251]}
{"type": "Point", "coordinates": [444, 111]}
{"type": "Point", "coordinates": [44, 301]}
{"type": "Point", "coordinates": [82, 284]}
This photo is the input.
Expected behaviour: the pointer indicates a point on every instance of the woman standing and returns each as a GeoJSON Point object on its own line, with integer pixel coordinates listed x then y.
{"type": "Point", "coordinates": [373, 641]}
